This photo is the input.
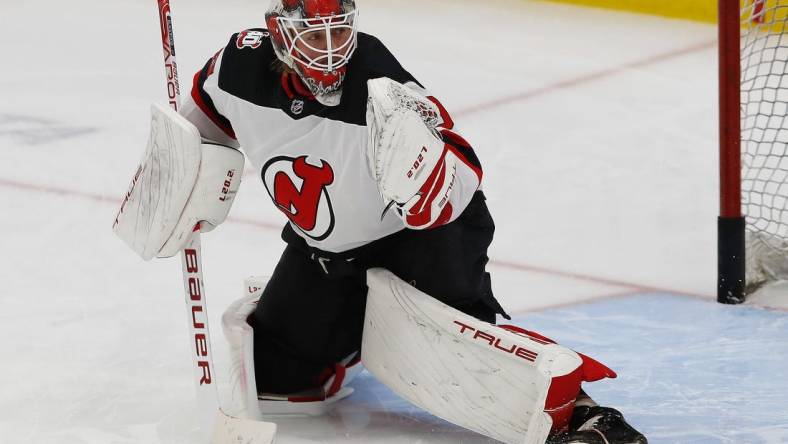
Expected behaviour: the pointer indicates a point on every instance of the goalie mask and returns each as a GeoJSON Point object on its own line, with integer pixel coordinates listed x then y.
{"type": "Point", "coordinates": [316, 39]}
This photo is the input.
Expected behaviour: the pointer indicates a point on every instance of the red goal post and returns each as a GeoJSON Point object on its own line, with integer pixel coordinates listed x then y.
{"type": "Point", "coordinates": [753, 80]}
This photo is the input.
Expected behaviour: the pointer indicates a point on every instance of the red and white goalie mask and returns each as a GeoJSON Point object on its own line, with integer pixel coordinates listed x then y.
{"type": "Point", "coordinates": [315, 38]}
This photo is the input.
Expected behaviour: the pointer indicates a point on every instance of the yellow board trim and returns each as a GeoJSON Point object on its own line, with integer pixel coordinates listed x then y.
{"type": "Point", "coordinates": [698, 10]}
{"type": "Point", "coordinates": [772, 17]}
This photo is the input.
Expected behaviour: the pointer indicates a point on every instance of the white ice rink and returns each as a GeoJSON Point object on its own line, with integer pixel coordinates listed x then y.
{"type": "Point", "coordinates": [597, 132]}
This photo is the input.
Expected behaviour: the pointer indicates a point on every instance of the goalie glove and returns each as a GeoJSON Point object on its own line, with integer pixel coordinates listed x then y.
{"type": "Point", "coordinates": [414, 168]}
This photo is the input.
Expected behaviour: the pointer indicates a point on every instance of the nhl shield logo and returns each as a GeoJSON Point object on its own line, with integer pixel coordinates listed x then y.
{"type": "Point", "coordinates": [297, 107]}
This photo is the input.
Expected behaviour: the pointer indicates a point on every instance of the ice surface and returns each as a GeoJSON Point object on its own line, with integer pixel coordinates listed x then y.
{"type": "Point", "coordinates": [598, 137]}
{"type": "Point", "coordinates": [690, 370]}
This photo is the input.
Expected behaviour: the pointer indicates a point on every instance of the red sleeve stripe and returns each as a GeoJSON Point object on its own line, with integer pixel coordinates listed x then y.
{"type": "Point", "coordinates": [463, 151]}
{"type": "Point", "coordinates": [208, 108]}
{"type": "Point", "coordinates": [448, 123]}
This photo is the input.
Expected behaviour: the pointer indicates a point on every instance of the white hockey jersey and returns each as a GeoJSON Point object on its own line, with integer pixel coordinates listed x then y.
{"type": "Point", "coordinates": [311, 158]}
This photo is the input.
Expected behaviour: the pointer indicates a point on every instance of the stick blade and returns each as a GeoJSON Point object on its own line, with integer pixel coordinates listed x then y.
{"type": "Point", "coordinates": [232, 430]}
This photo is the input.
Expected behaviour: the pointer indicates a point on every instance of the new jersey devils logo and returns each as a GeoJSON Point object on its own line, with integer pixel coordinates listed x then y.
{"type": "Point", "coordinates": [299, 190]}
{"type": "Point", "coordinates": [250, 39]}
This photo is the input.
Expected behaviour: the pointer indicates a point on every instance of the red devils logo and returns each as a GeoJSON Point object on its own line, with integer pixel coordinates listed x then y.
{"type": "Point", "coordinates": [299, 190]}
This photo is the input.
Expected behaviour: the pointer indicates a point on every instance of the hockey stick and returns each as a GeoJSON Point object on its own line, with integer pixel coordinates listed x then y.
{"type": "Point", "coordinates": [225, 429]}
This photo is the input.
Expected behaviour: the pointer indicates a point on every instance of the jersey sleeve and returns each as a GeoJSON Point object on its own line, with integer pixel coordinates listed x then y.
{"type": "Point", "coordinates": [202, 108]}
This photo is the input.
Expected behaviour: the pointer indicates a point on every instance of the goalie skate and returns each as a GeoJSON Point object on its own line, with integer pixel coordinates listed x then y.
{"type": "Point", "coordinates": [599, 425]}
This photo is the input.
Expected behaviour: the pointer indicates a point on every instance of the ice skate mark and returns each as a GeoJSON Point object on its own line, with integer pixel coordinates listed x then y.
{"type": "Point", "coordinates": [6, 119]}
{"type": "Point", "coordinates": [30, 130]}
{"type": "Point", "coordinates": [586, 78]}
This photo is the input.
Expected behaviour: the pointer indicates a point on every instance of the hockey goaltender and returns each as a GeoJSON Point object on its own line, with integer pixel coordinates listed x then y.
{"type": "Point", "coordinates": [387, 236]}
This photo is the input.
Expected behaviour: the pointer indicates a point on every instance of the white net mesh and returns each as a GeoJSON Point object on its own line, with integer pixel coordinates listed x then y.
{"type": "Point", "coordinates": [764, 119]}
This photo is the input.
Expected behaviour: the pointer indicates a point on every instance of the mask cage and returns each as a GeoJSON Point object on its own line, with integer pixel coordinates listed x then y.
{"type": "Point", "coordinates": [314, 33]}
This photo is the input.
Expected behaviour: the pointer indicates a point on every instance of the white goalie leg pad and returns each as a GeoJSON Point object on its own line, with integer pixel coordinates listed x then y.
{"type": "Point", "coordinates": [232, 430]}
{"type": "Point", "coordinates": [240, 336]}
{"type": "Point", "coordinates": [180, 182]}
{"type": "Point", "coordinates": [246, 400]}
{"type": "Point", "coordinates": [469, 372]}
{"type": "Point", "coordinates": [317, 401]}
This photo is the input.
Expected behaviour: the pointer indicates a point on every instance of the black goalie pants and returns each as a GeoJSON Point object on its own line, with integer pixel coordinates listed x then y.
{"type": "Point", "coordinates": [311, 313]}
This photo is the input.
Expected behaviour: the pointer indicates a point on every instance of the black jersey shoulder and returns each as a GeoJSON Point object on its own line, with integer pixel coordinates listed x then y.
{"type": "Point", "coordinates": [371, 60]}
{"type": "Point", "coordinates": [247, 66]}
{"type": "Point", "coordinates": [248, 71]}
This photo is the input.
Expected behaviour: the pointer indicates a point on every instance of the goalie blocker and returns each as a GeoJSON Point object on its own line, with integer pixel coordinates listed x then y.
{"type": "Point", "coordinates": [180, 182]}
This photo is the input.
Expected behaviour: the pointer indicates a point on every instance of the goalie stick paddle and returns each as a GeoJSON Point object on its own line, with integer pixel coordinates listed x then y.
{"type": "Point", "coordinates": [224, 429]}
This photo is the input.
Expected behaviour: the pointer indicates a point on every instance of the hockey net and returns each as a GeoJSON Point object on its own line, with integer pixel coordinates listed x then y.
{"type": "Point", "coordinates": [764, 139]}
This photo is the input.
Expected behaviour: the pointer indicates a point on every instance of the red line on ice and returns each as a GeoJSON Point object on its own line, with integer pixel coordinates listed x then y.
{"type": "Point", "coordinates": [629, 286]}
{"type": "Point", "coordinates": [105, 199]}
{"type": "Point", "coordinates": [605, 296]}
{"type": "Point", "coordinates": [481, 107]}
{"type": "Point", "coordinates": [587, 78]}
{"type": "Point", "coordinates": [56, 190]}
